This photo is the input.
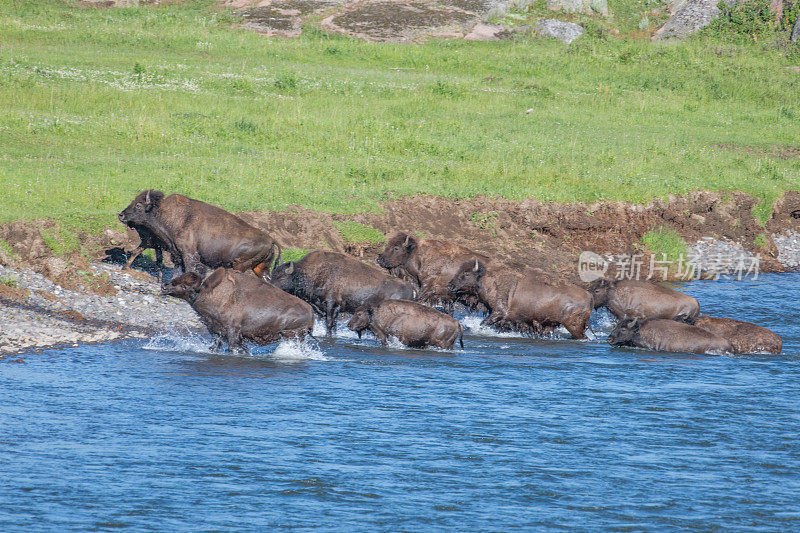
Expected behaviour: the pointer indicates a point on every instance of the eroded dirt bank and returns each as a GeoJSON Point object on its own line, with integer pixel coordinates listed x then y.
{"type": "Point", "coordinates": [57, 287]}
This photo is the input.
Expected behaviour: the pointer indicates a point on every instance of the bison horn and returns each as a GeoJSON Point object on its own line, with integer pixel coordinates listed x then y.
{"type": "Point", "coordinates": [147, 198]}
{"type": "Point", "coordinates": [407, 241]}
{"type": "Point", "coordinates": [476, 266]}
{"type": "Point", "coordinates": [290, 268]}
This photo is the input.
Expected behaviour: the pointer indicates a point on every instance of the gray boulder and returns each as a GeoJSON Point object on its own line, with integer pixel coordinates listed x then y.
{"type": "Point", "coordinates": [796, 31]}
{"type": "Point", "coordinates": [688, 17]}
{"type": "Point", "coordinates": [579, 6]}
{"type": "Point", "coordinates": [563, 31]}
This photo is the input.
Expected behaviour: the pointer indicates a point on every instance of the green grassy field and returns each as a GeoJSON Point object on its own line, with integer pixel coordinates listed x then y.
{"type": "Point", "coordinates": [96, 105]}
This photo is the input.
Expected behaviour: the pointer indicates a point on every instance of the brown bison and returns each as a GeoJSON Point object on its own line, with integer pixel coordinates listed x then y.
{"type": "Point", "coordinates": [520, 302]}
{"type": "Point", "coordinates": [664, 335]}
{"type": "Point", "coordinates": [200, 235]}
{"type": "Point", "coordinates": [431, 264]}
{"type": "Point", "coordinates": [333, 282]}
{"type": "Point", "coordinates": [413, 324]}
{"type": "Point", "coordinates": [239, 306]}
{"type": "Point", "coordinates": [744, 337]}
{"type": "Point", "coordinates": [629, 298]}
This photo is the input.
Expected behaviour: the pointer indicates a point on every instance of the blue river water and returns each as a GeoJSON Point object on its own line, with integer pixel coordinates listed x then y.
{"type": "Point", "coordinates": [509, 433]}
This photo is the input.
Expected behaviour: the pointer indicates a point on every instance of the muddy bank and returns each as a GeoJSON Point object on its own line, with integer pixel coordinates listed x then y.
{"type": "Point", "coordinates": [60, 287]}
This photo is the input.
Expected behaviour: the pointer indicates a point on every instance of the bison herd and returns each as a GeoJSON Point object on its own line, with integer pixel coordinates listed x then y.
{"type": "Point", "coordinates": [232, 275]}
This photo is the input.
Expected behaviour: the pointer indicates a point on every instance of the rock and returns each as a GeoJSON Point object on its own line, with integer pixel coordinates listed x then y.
{"type": "Point", "coordinates": [795, 31]}
{"type": "Point", "coordinates": [579, 6]}
{"type": "Point", "coordinates": [688, 17]}
{"type": "Point", "coordinates": [54, 267]}
{"type": "Point", "coordinates": [487, 32]}
{"type": "Point", "coordinates": [563, 31]}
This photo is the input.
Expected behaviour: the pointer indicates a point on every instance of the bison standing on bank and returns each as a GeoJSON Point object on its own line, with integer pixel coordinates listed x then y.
{"type": "Point", "coordinates": [333, 282]}
{"type": "Point", "coordinates": [413, 324]}
{"type": "Point", "coordinates": [238, 306]}
{"type": "Point", "coordinates": [430, 263]}
{"type": "Point", "coordinates": [519, 302]}
{"type": "Point", "coordinates": [664, 335]}
{"type": "Point", "coordinates": [201, 235]}
{"type": "Point", "coordinates": [744, 337]}
{"type": "Point", "coordinates": [630, 298]}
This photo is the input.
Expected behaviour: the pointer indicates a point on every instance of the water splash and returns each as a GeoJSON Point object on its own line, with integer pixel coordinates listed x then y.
{"type": "Point", "coordinates": [175, 341]}
{"type": "Point", "coordinates": [341, 332]}
{"type": "Point", "coordinates": [296, 350]}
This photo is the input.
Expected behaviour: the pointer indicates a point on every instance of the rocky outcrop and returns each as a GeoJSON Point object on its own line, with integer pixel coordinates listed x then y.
{"type": "Point", "coordinates": [688, 17]}
{"type": "Point", "coordinates": [587, 7]}
{"type": "Point", "coordinates": [563, 31]}
{"type": "Point", "coordinates": [796, 31]}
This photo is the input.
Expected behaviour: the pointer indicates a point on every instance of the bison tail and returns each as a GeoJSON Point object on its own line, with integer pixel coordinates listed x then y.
{"type": "Point", "coordinates": [461, 335]}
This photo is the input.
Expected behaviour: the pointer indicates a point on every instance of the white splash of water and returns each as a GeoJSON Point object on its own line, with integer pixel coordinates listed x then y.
{"type": "Point", "coordinates": [341, 332]}
{"type": "Point", "coordinates": [173, 341]}
{"type": "Point", "coordinates": [473, 322]}
{"type": "Point", "coordinates": [296, 350]}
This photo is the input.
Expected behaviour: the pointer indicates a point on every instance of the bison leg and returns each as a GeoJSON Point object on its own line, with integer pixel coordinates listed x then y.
{"type": "Point", "coordinates": [381, 336]}
{"type": "Point", "coordinates": [134, 254]}
{"type": "Point", "coordinates": [160, 263]}
{"type": "Point", "coordinates": [236, 344]}
{"type": "Point", "coordinates": [216, 344]}
{"type": "Point", "coordinates": [331, 317]}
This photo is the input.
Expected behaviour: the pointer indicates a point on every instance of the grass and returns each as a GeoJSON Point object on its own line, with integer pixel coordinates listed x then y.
{"type": "Point", "coordinates": [9, 281]}
{"type": "Point", "coordinates": [98, 104]}
{"type": "Point", "coordinates": [359, 233]}
{"type": "Point", "coordinates": [60, 241]}
{"type": "Point", "coordinates": [293, 254]}
{"type": "Point", "coordinates": [667, 245]}
{"type": "Point", "coordinates": [7, 250]}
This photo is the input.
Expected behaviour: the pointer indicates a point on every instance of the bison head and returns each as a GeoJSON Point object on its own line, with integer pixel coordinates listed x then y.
{"type": "Point", "coordinates": [283, 276]}
{"type": "Point", "coordinates": [624, 333]}
{"type": "Point", "coordinates": [141, 208]}
{"type": "Point", "coordinates": [184, 287]}
{"type": "Point", "coordinates": [360, 320]}
{"type": "Point", "coordinates": [599, 290]}
{"type": "Point", "coordinates": [468, 278]}
{"type": "Point", "coordinates": [398, 249]}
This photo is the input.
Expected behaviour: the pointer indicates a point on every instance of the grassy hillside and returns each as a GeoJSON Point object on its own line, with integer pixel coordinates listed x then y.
{"type": "Point", "coordinates": [96, 105]}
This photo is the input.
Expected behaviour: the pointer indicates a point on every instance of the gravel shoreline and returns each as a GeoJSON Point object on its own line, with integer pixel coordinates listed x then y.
{"type": "Point", "coordinates": [52, 315]}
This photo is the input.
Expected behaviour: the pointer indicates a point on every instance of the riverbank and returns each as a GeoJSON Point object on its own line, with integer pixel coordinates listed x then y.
{"type": "Point", "coordinates": [82, 295]}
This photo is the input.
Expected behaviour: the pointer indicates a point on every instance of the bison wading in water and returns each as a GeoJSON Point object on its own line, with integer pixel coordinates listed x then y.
{"type": "Point", "coordinates": [238, 306]}
{"type": "Point", "coordinates": [431, 264]}
{"type": "Point", "coordinates": [745, 337]}
{"type": "Point", "coordinates": [665, 335]}
{"type": "Point", "coordinates": [519, 302]}
{"type": "Point", "coordinates": [413, 324]}
{"type": "Point", "coordinates": [630, 298]}
{"type": "Point", "coordinates": [202, 236]}
{"type": "Point", "coordinates": [333, 282]}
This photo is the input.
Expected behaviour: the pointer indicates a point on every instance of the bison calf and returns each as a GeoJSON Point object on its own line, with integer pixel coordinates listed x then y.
{"type": "Point", "coordinates": [414, 324]}
{"type": "Point", "coordinates": [665, 335]}
{"type": "Point", "coordinates": [629, 298]}
{"type": "Point", "coordinates": [237, 306]}
{"type": "Point", "coordinates": [744, 337]}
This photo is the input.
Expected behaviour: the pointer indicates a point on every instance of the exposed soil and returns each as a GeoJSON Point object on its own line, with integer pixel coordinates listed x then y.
{"type": "Point", "coordinates": [777, 151]}
{"type": "Point", "coordinates": [544, 236]}
{"type": "Point", "coordinates": [284, 18]}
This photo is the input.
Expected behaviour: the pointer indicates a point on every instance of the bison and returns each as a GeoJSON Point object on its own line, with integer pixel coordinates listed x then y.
{"type": "Point", "coordinates": [413, 324]}
{"type": "Point", "coordinates": [200, 235]}
{"type": "Point", "coordinates": [520, 302]}
{"type": "Point", "coordinates": [333, 282]}
{"type": "Point", "coordinates": [664, 335]}
{"type": "Point", "coordinates": [238, 306]}
{"type": "Point", "coordinates": [641, 299]}
{"type": "Point", "coordinates": [431, 264]}
{"type": "Point", "coordinates": [744, 337]}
